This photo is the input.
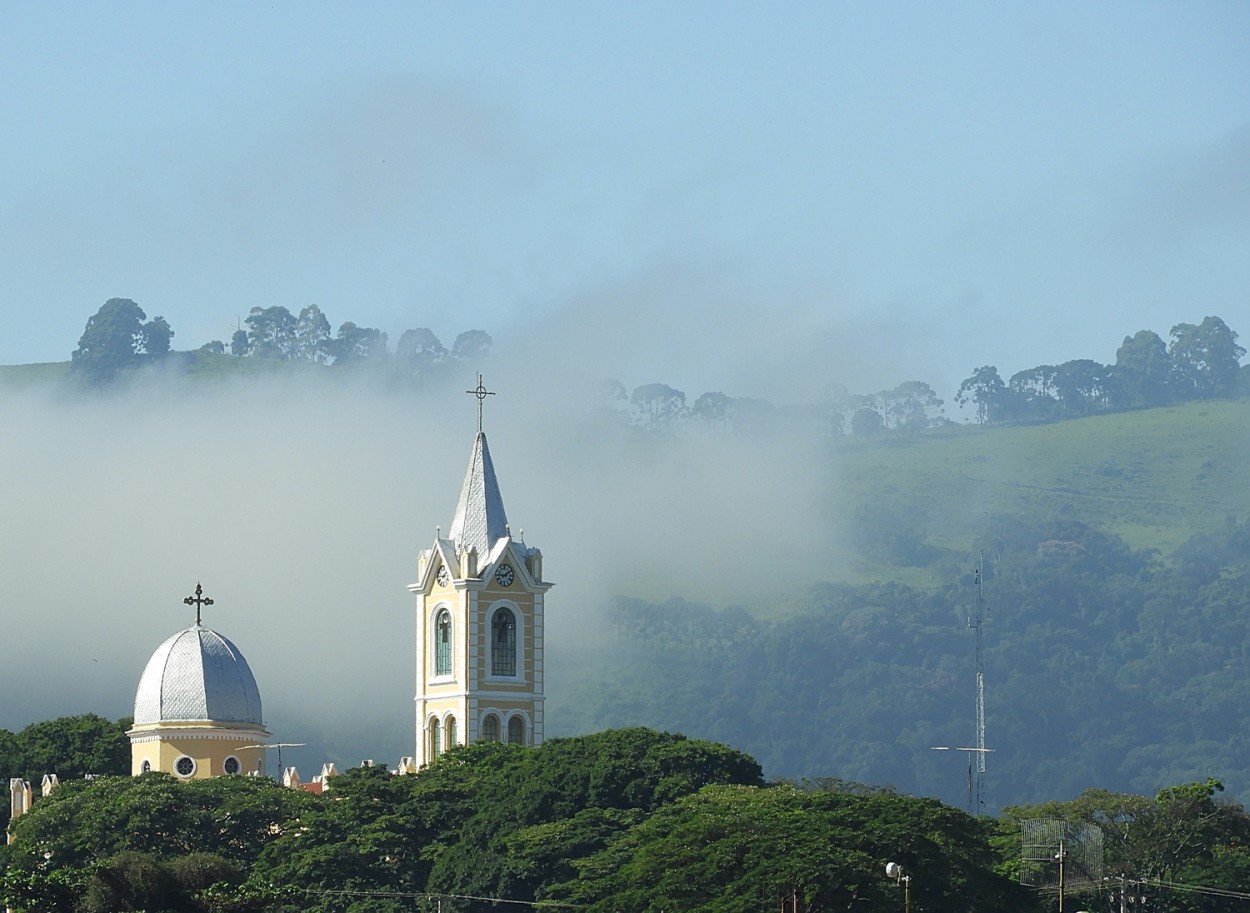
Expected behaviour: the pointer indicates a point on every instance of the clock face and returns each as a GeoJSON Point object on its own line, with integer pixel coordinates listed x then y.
{"type": "Point", "coordinates": [505, 575]}
{"type": "Point", "coordinates": [443, 576]}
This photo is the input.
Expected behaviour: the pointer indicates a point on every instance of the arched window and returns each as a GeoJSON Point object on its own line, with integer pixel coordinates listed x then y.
{"type": "Point", "coordinates": [451, 732]}
{"type": "Point", "coordinates": [490, 728]}
{"type": "Point", "coordinates": [147, 765]}
{"type": "Point", "coordinates": [442, 643]}
{"type": "Point", "coordinates": [503, 643]}
{"type": "Point", "coordinates": [516, 731]}
{"type": "Point", "coordinates": [435, 731]}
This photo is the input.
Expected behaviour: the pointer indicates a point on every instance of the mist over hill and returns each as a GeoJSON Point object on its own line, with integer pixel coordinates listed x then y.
{"type": "Point", "coordinates": [800, 596]}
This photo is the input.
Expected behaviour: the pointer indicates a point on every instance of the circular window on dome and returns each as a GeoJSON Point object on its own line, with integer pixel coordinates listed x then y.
{"type": "Point", "coordinates": [147, 766]}
{"type": "Point", "coordinates": [184, 766]}
{"type": "Point", "coordinates": [232, 765]}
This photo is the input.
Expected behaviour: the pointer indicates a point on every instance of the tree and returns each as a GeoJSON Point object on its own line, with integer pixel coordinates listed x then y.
{"type": "Point", "coordinates": [657, 405]}
{"type": "Point", "coordinates": [155, 337]}
{"type": "Point", "coordinates": [585, 789]}
{"type": "Point", "coordinates": [420, 352]}
{"type": "Point", "coordinates": [270, 332]}
{"type": "Point", "coordinates": [866, 422]}
{"type": "Point", "coordinates": [911, 406]}
{"type": "Point", "coordinates": [1035, 393]}
{"type": "Point", "coordinates": [111, 341]}
{"type": "Point", "coordinates": [987, 390]}
{"type": "Point", "coordinates": [712, 408]}
{"type": "Point", "coordinates": [312, 336]}
{"type": "Point", "coordinates": [240, 344]}
{"type": "Point", "coordinates": [739, 849]}
{"type": "Point", "coordinates": [369, 835]}
{"type": "Point", "coordinates": [1142, 371]}
{"type": "Point", "coordinates": [356, 344]}
{"type": "Point", "coordinates": [471, 346]}
{"type": "Point", "coordinates": [1205, 359]}
{"type": "Point", "coordinates": [1183, 835]}
{"type": "Point", "coordinates": [1082, 386]}
{"type": "Point", "coordinates": [72, 747]}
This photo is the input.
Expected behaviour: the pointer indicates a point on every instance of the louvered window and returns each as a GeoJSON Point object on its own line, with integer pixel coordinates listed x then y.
{"type": "Point", "coordinates": [503, 643]}
{"type": "Point", "coordinates": [442, 643]}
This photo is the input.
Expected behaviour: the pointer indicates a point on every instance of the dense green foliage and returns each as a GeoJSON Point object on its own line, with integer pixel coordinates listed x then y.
{"type": "Point", "coordinates": [69, 747]}
{"type": "Point", "coordinates": [1184, 836]}
{"type": "Point", "coordinates": [616, 822]}
{"type": "Point", "coordinates": [624, 820]}
{"type": "Point", "coordinates": [733, 849]}
{"type": "Point", "coordinates": [1105, 665]}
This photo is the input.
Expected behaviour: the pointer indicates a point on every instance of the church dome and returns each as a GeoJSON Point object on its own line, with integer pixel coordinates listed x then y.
{"type": "Point", "coordinates": [197, 676]}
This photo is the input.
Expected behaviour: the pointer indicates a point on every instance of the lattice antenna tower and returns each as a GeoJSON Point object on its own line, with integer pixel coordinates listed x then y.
{"type": "Point", "coordinates": [978, 618]}
{"type": "Point", "coordinates": [1058, 855]}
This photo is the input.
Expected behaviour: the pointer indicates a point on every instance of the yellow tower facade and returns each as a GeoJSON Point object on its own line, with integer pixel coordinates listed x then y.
{"type": "Point", "coordinates": [479, 625]}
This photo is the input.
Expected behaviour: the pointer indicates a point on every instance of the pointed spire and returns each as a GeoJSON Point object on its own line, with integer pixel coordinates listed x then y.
{"type": "Point", "coordinates": [480, 520]}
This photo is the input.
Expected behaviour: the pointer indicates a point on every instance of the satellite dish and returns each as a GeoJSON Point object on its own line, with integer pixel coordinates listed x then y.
{"type": "Point", "coordinates": [893, 870]}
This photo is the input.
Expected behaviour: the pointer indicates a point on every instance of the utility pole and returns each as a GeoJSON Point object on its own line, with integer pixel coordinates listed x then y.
{"type": "Point", "coordinates": [1060, 857]}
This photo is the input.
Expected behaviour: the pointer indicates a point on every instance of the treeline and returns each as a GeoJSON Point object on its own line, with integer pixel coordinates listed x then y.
{"type": "Point", "coordinates": [119, 338]}
{"type": "Point", "coordinates": [1201, 361]}
{"type": "Point", "coordinates": [615, 822]}
{"type": "Point", "coordinates": [910, 407]}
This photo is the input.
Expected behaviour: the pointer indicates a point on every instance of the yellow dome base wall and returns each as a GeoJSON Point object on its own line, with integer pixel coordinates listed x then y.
{"type": "Point", "coordinates": [208, 748]}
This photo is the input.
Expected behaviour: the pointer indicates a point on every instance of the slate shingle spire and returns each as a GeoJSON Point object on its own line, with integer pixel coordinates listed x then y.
{"type": "Point", "coordinates": [480, 520]}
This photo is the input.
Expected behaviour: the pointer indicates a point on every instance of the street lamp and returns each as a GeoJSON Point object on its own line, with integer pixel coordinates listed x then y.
{"type": "Point", "coordinates": [895, 871]}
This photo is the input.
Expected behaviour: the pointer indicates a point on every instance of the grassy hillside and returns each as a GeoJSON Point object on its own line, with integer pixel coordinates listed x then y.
{"type": "Point", "coordinates": [16, 377]}
{"type": "Point", "coordinates": [1154, 477]}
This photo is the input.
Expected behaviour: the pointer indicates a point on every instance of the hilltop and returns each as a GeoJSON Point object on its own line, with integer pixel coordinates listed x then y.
{"type": "Point", "coordinates": [1153, 477]}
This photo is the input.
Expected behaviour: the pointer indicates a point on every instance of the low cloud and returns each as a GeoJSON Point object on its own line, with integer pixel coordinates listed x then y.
{"type": "Point", "coordinates": [301, 507]}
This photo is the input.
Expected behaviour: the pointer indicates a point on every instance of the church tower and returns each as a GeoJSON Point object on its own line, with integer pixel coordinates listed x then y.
{"type": "Point", "coordinates": [479, 595]}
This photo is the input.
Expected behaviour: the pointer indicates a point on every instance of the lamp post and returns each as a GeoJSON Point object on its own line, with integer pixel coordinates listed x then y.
{"type": "Point", "coordinates": [895, 871]}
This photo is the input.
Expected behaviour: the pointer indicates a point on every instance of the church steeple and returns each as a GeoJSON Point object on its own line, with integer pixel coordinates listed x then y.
{"type": "Point", "coordinates": [480, 596]}
{"type": "Point", "coordinates": [480, 519]}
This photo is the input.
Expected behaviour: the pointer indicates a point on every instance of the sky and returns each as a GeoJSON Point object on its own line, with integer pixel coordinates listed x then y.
{"type": "Point", "coordinates": [762, 200]}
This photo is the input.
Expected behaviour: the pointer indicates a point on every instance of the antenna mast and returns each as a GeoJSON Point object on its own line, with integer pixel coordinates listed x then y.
{"type": "Point", "coordinates": [979, 618]}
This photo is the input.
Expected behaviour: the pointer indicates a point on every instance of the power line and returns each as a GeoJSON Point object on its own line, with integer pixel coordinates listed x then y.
{"type": "Point", "coordinates": [410, 895]}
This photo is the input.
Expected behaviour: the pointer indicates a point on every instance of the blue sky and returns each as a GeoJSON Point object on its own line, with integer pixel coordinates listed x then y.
{"type": "Point", "coordinates": [749, 197]}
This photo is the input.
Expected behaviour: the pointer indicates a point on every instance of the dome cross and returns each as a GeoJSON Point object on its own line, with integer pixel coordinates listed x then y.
{"type": "Point", "coordinates": [198, 600]}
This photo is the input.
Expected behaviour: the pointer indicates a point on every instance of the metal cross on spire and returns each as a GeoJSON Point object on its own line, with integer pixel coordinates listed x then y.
{"type": "Point", "coordinates": [481, 393]}
{"type": "Point", "coordinates": [198, 600]}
